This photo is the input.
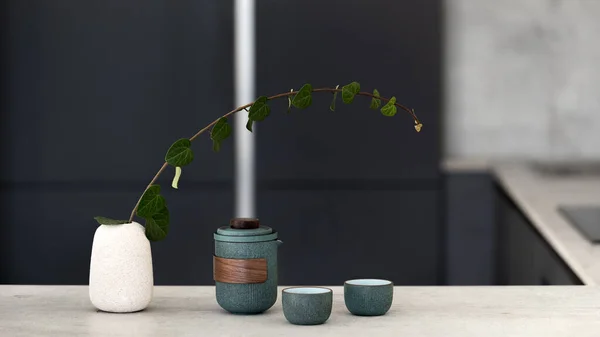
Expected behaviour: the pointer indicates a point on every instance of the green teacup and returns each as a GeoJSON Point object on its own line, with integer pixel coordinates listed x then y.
{"type": "Point", "coordinates": [368, 297]}
{"type": "Point", "coordinates": [307, 305]}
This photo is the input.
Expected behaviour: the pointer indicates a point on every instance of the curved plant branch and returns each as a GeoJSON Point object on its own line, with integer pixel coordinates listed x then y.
{"type": "Point", "coordinates": [292, 93]}
{"type": "Point", "coordinates": [152, 206]}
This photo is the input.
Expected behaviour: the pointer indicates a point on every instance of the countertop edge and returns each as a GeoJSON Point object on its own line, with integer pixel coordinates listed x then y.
{"type": "Point", "coordinates": [498, 170]}
{"type": "Point", "coordinates": [549, 236]}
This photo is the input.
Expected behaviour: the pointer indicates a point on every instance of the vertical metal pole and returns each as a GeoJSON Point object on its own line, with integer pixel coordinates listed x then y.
{"type": "Point", "coordinates": [244, 93]}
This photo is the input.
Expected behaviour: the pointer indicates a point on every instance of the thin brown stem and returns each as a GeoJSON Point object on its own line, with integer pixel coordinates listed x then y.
{"type": "Point", "coordinates": [243, 107]}
{"type": "Point", "coordinates": [162, 168]}
{"type": "Point", "coordinates": [368, 94]}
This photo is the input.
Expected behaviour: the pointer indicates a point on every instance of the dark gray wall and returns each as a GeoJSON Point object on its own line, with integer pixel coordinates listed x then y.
{"type": "Point", "coordinates": [470, 228]}
{"type": "Point", "coordinates": [394, 46]}
{"type": "Point", "coordinates": [352, 192]}
{"type": "Point", "coordinates": [98, 90]}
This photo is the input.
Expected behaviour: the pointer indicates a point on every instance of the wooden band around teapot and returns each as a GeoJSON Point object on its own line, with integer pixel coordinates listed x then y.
{"type": "Point", "coordinates": [240, 271]}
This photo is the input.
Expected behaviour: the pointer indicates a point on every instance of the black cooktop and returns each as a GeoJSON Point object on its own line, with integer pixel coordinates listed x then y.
{"type": "Point", "coordinates": [585, 218]}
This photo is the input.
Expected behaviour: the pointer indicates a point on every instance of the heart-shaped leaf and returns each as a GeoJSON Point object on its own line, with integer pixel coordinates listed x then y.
{"type": "Point", "coordinates": [157, 226]}
{"type": "Point", "coordinates": [375, 101]}
{"type": "Point", "coordinates": [180, 153]}
{"type": "Point", "coordinates": [151, 203]}
{"type": "Point", "coordinates": [332, 105]}
{"type": "Point", "coordinates": [221, 130]}
{"type": "Point", "coordinates": [349, 91]}
{"type": "Point", "coordinates": [389, 109]}
{"type": "Point", "coordinates": [260, 109]}
{"type": "Point", "coordinates": [108, 221]}
{"type": "Point", "coordinates": [303, 98]}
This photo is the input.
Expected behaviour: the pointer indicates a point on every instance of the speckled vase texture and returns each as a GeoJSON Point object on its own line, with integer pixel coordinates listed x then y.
{"type": "Point", "coordinates": [307, 309]}
{"type": "Point", "coordinates": [121, 277]}
{"type": "Point", "coordinates": [364, 300]}
{"type": "Point", "coordinates": [248, 298]}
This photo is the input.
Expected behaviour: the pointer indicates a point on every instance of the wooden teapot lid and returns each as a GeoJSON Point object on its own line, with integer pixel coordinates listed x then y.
{"type": "Point", "coordinates": [244, 223]}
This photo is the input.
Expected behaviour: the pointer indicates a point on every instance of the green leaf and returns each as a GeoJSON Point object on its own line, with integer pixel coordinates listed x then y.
{"type": "Point", "coordinates": [332, 105]}
{"type": "Point", "coordinates": [157, 226]}
{"type": "Point", "coordinates": [389, 109]}
{"type": "Point", "coordinates": [151, 202]}
{"type": "Point", "coordinates": [259, 110]}
{"type": "Point", "coordinates": [216, 145]}
{"type": "Point", "coordinates": [303, 98]}
{"type": "Point", "coordinates": [176, 178]}
{"type": "Point", "coordinates": [375, 101]}
{"type": "Point", "coordinates": [180, 153]}
{"type": "Point", "coordinates": [349, 91]}
{"type": "Point", "coordinates": [108, 221]}
{"type": "Point", "coordinates": [221, 130]}
{"type": "Point", "coordinates": [249, 125]}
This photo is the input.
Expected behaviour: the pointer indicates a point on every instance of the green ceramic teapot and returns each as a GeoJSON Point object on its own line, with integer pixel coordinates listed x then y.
{"type": "Point", "coordinates": [245, 266]}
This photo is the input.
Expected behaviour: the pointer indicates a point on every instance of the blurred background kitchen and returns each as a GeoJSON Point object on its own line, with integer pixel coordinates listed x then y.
{"type": "Point", "coordinates": [94, 92]}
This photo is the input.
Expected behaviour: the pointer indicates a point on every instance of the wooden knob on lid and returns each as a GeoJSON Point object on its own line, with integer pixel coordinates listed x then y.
{"type": "Point", "coordinates": [244, 223]}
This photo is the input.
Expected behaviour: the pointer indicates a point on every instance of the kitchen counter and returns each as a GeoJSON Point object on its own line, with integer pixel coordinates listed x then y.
{"type": "Point", "coordinates": [538, 197]}
{"type": "Point", "coordinates": [417, 311]}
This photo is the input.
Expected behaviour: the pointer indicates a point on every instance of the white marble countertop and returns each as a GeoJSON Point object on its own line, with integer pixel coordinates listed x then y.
{"type": "Point", "coordinates": [538, 196]}
{"type": "Point", "coordinates": [544, 311]}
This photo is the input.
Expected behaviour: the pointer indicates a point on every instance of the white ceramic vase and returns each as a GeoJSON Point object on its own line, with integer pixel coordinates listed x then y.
{"type": "Point", "coordinates": [121, 277]}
